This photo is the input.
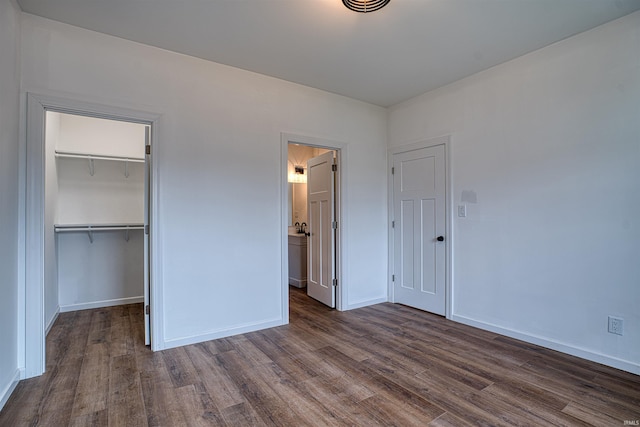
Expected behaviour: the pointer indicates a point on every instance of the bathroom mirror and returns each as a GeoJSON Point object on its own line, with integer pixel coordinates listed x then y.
{"type": "Point", "coordinates": [297, 203]}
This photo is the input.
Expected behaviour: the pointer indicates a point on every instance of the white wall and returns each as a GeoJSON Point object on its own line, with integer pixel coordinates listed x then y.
{"type": "Point", "coordinates": [219, 170]}
{"type": "Point", "coordinates": [107, 197]}
{"type": "Point", "coordinates": [107, 271]}
{"type": "Point", "coordinates": [9, 125]}
{"type": "Point", "coordinates": [549, 146]}
{"type": "Point", "coordinates": [91, 135]}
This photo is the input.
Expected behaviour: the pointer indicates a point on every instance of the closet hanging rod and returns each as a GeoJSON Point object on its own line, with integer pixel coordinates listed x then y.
{"type": "Point", "coordinates": [64, 228]}
{"type": "Point", "coordinates": [98, 157]}
{"type": "Point", "coordinates": [98, 228]}
{"type": "Point", "coordinates": [89, 229]}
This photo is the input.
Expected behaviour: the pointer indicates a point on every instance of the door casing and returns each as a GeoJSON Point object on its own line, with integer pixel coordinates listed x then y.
{"type": "Point", "coordinates": [449, 240]}
{"type": "Point", "coordinates": [31, 229]}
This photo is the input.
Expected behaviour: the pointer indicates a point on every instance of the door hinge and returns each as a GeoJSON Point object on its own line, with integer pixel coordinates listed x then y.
{"type": "Point", "coordinates": [334, 225]}
{"type": "Point", "coordinates": [146, 229]}
{"type": "Point", "coordinates": [147, 149]}
{"type": "Point", "coordinates": [334, 167]}
{"type": "Point", "coordinates": [393, 224]}
{"type": "Point", "coordinates": [393, 277]}
{"type": "Point", "coordinates": [393, 170]}
{"type": "Point", "coordinates": [147, 310]}
{"type": "Point", "coordinates": [335, 282]}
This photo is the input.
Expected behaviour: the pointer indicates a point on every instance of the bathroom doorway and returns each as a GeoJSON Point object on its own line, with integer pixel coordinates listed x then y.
{"type": "Point", "coordinates": [312, 231]}
{"type": "Point", "coordinates": [311, 234]}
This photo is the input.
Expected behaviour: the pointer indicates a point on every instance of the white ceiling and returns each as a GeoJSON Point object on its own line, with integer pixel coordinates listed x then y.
{"type": "Point", "coordinates": [384, 57]}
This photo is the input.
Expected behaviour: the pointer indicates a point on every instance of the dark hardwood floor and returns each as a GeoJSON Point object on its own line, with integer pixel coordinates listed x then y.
{"type": "Point", "coordinates": [381, 365]}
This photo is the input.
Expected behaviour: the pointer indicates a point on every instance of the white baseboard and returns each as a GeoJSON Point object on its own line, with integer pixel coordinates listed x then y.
{"type": "Point", "coordinates": [221, 333]}
{"type": "Point", "coordinates": [52, 321]}
{"type": "Point", "coordinates": [99, 304]}
{"type": "Point", "coordinates": [624, 365]}
{"type": "Point", "coordinates": [5, 393]}
{"type": "Point", "coordinates": [298, 283]}
{"type": "Point", "coordinates": [366, 303]}
{"type": "Point", "coordinates": [241, 329]}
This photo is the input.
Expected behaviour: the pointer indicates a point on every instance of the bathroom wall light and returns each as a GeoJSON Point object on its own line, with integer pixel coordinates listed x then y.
{"type": "Point", "coordinates": [297, 176]}
{"type": "Point", "coordinates": [365, 6]}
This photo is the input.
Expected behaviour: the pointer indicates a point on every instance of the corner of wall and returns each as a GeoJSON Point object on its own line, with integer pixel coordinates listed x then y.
{"type": "Point", "coordinates": [51, 321]}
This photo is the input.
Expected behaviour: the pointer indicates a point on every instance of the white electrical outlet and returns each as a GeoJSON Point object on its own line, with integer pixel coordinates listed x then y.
{"type": "Point", "coordinates": [462, 211]}
{"type": "Point", "coordinates": [616, 325]}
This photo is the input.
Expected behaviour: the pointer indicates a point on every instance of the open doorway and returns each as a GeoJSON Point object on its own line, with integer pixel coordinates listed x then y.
{"type": "Point", "coordinates": [310, 234]}
{"type": "Point", "coordinates": [96, 189]}
{"type": "Point", "coordinates": [312, 238]}
{"type": "Point", "coordinates": [87, 214]}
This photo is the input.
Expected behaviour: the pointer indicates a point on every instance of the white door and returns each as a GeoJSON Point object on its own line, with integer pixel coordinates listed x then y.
{"type": "Point", "coordinates": [147, 282]}
{"type": "Point", "coordinates": [321, 218]}
{"type": "Point", "coordinates": [419, 239]}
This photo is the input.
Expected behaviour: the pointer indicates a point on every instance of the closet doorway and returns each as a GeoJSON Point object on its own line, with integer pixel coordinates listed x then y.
{"type": "Point", "coordinates": [88, 215]}
{"type": "Point", "coordinates": [96, 184]}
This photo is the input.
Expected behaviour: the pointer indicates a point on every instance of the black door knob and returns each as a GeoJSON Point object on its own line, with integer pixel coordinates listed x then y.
{"type": "Point", "coordinates": [440, 238]}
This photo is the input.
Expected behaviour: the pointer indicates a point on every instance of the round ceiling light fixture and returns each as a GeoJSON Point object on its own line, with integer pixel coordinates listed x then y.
{"type": "Point", "coordinates": [365, 6]}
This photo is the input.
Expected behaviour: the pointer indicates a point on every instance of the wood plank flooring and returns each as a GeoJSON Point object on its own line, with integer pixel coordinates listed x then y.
{"type": "Point", "coordinates": [381, 365]}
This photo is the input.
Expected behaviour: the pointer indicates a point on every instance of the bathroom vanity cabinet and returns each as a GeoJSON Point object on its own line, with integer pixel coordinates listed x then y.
{"type": "Point", "coordinates": [298, 260]}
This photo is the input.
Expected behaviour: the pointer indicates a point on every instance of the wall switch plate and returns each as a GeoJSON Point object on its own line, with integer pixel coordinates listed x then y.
{"type": "Point", "coordinates": [462, 211]}
{"type": "Point", "coordinates": [615, 325]}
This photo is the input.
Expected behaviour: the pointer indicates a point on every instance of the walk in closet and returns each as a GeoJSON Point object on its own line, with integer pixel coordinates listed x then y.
{"type": "Point", "coordinates": [94, 213]}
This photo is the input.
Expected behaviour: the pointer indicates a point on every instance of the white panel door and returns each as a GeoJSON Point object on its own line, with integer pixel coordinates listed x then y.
{"type": "Point", "coordinates": [419, 231]}
{"type": "Point", "coordinates": [147, 283]}
{"type": "Point", "coordinates": [321, 240]}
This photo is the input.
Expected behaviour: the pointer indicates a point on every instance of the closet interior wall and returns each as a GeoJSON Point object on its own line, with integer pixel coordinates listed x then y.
{"type": "Point", "coordinates": [90, 183]}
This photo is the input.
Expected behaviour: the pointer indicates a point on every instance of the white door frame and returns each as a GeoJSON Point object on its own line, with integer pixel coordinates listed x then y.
{"type": "Point", "coordinates": [341, 217]}
{"type": "Point", "coordinates": [32, 226]}
{"type": "Point", "coordinates": [446, 141]}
